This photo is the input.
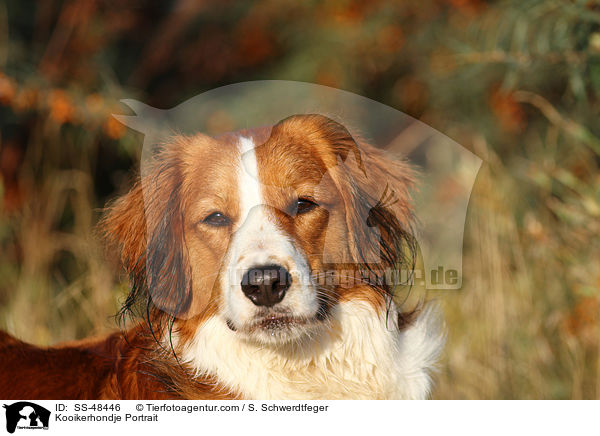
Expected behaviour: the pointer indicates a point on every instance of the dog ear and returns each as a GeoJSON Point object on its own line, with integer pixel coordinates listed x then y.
{"type": "Point", "coordinates": [375, 189]}
{"type": "Point", "coordinates": [147, 225]}
{"type": "Point", "coordinates": [124, 226]}
{"type": "Point", "coordinates": [382, 207]}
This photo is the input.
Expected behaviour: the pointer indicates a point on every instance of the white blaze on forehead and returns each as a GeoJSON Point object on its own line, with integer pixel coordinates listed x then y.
{"type": "Point", "coordinates": [249, 186]}
{"type": "Point", "coordinates": [258, 238]}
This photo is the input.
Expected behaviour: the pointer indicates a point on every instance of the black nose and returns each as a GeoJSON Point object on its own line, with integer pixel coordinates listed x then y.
{"type": "Point", "coordinates": [266, 285]}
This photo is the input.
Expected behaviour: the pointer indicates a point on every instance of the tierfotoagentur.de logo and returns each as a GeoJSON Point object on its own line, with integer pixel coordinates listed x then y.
{"type": "Point", "coordinates": [26, 415]}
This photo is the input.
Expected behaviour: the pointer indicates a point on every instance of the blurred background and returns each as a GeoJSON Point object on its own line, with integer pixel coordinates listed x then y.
{"type": "Point", "coordinates": [517, 82]}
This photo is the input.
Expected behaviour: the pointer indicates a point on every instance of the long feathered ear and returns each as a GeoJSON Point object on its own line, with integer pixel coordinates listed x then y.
{"type": "Point", "coordinates": [147, 226]}
{"type": "Point", "coordinates": [382, 204]}
{"type": "Point", "coordinates": [124, 226]}
{"type": "Point", "coordinates": [376, 193]}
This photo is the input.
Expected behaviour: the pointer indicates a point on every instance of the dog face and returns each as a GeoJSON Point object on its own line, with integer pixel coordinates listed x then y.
{"type": "Point", "coordinates": [244, 226]}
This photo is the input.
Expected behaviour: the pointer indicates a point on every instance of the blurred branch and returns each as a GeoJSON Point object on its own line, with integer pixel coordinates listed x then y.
{"type": "Point", "coordinates": [585, 13]}
{"type": "Point", "coordinates": [573, 128]}
{"type": "Point", "coordinates": [4, 43]}
{"type": "Point", "coordinates": [163, 45]}
{"type": "Point", "coordinates": [71, 15]}
{"type": "Point", "coordinates": [522, 58]}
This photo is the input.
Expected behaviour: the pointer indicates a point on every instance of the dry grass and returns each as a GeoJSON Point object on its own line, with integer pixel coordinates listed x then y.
{"type": "Point", "coordinates": [524, 326]}
{"type": "Point", "coordinates": [57, 283]}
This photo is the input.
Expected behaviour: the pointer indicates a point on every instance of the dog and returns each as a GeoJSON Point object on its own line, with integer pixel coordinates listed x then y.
{"type": "Point", "coordinates": [257, 261]}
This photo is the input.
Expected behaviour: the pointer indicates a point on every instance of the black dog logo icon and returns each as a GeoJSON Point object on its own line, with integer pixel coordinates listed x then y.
{"type": "Point", "coordinates": [26, 415]}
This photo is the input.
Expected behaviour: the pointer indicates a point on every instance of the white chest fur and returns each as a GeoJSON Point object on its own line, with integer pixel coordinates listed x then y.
{"type": "Point", "coordinates": [360, 357]}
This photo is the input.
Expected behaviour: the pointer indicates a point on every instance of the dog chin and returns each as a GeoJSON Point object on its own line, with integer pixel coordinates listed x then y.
{"type": "Point", "coordinates": [278, 328]}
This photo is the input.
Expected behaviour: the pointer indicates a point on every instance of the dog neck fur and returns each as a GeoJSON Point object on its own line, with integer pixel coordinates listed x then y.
{"type": "Point", "coordinates": [360, 356]}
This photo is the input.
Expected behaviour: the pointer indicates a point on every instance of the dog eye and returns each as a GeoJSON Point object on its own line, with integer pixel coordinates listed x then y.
{"type": "Point", "coordinates": [304, 205]}
{"type": "Point", "coordinates": [217, 219]}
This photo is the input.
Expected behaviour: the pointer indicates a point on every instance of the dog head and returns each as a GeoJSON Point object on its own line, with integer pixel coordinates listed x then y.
{"type": "Point", "coordinates": [267, 229]}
